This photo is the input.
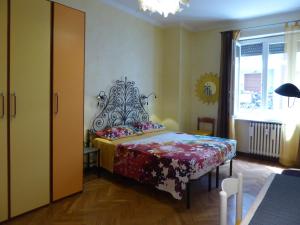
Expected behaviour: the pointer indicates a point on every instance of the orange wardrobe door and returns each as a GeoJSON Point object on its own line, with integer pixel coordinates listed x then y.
{"type": "Point", "coordinates": [68, 95]}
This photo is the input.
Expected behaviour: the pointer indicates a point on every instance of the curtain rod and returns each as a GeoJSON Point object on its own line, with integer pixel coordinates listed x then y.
{"type": "Point", "coordinates": [266, 25]}
{"type": "Point", "coordinates": [291, 21]}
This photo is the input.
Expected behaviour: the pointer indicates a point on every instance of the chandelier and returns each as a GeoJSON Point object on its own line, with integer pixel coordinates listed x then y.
{"type": "Point", "coordinates": [163, 7]}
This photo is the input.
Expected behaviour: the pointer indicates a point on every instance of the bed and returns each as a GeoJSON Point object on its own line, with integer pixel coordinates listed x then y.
{"type": "Point", "coordinates": [166, 160]}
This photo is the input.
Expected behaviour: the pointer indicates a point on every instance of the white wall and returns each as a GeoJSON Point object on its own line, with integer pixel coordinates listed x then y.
{"type": "Point", "coordinates": [170, 78]}
{"type": "Point", "coordinates": [206, 52]}
{"type": "Point", "coordinates": [242, 135]}
{"type": "Point", "coordinates": [185, 80]}
{"type": "Point", "coordinates": [176, 79]}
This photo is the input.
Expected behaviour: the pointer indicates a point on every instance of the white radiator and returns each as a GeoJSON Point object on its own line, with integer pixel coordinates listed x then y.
{"type": "Point", "coordinates": [265, 139]}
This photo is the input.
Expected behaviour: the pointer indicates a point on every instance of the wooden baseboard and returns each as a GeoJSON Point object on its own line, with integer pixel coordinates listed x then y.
{"type": "Point", "coordinates": [68, 196]}
{"type": "Point", "coordinates": [258, 157]}
{"type": "Point", "coordinates": [25, 213]}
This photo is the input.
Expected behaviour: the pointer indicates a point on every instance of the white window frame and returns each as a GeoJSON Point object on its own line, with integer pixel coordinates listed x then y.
{"type": "Point", "coordinates": [265, 54]}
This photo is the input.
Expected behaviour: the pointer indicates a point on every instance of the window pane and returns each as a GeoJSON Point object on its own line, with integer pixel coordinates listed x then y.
{"type": "Point", "coordinates": [297, 80]}
{"type": "Point", "coordinates": [250, 82]}
{"type": "Point", "coordinates": [276, 74]}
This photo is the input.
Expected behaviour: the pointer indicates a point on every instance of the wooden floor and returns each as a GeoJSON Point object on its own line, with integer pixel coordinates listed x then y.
{"type": "Point", "coordinates": [113, 200]}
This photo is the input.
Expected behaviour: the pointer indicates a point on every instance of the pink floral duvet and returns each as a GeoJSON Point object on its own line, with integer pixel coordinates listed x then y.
{"type": "Point", "coordinates": [169, 161]}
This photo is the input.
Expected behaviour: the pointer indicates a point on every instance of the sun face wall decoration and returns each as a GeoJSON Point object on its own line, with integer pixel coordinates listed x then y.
{"type": "Point", "coordinates": [207, 88]}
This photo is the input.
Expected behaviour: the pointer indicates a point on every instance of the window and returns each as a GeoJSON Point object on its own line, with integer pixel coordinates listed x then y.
{"type": "Point", "coordinates": [260, 69]}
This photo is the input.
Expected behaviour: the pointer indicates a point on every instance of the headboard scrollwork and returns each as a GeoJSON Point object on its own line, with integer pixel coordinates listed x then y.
{"type": "Point", "coordinates": [122, 106]}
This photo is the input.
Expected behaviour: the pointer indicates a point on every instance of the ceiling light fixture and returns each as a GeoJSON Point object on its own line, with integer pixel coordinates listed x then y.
{"type": "Point", "coordinates": [163, 7]}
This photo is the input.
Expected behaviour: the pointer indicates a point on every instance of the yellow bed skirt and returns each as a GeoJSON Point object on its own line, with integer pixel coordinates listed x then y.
{"type": "Point", "coordinates": [108, 148]}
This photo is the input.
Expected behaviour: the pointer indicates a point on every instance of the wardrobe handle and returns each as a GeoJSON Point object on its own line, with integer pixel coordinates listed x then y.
{"type": "Point", "coordinates": [56, 103]}
{"type": "Point", "coordinates": [14, 105]}
{"type": "Point", "coordinates": [2, 105]}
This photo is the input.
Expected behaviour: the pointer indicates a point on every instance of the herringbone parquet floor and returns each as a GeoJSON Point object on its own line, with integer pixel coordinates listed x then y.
{"type": "Point", "coordinates": [112, 200]}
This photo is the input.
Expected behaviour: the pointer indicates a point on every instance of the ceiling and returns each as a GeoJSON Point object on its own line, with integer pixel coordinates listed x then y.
{"type": "Point", "coordinates": [204, 14]}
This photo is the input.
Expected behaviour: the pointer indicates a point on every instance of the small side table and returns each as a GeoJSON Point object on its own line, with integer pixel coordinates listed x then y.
{"type": "Point", "coordinates": [90, 150]}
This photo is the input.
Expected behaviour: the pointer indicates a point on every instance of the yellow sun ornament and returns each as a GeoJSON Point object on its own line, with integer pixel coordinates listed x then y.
{"type": "Point", "coordinates": [207, 88]}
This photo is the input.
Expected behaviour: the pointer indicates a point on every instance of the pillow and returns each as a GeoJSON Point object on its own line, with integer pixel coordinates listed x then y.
{"type": "Point", "coordinates": [147, 127]}
{"type": "Point", "coordinates": [116, 133]}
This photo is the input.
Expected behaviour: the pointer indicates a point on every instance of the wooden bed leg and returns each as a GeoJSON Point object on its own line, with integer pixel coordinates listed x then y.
{"type": "Point", "coordinates": [217, 177]}
{"type": "Point", "coordinates": [188, 195]}
{"type": "Point", "coordinates": [99, 171]}
{"type": "Point", "coordinates": [230, 170]}
{"type": "Point", "coordinates": [209, 181]}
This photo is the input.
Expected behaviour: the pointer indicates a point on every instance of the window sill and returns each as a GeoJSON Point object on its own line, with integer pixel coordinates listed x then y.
{"type": "Point", "coordinates": [257, 118]}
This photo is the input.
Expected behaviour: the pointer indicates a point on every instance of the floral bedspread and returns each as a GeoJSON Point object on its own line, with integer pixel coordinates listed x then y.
{"type": "Point", "coordinates": [168, 161]}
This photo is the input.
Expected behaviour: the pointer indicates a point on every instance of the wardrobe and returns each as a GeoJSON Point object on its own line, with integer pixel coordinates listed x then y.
{"type": "Point", "coordinates": [41, 104]}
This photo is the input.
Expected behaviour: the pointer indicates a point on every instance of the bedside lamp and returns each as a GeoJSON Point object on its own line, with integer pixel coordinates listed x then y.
{"type": "Point", "coordinates": [146, 98]}
{"type": "Point", "coordinates": [288, 90]}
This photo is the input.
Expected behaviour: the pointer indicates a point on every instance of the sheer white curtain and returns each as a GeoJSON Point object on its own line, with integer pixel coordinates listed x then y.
{"type": "Point", "coordinates": [235, 61]}
{"type": "Point", "coordinates": [290, 154]}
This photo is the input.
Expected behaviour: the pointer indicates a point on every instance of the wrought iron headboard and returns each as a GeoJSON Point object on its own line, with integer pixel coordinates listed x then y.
{"type": "Point", "coordinates": [123, 106]}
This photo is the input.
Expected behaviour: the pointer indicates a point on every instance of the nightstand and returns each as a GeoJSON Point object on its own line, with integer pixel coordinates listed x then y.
{"type": "Point", "coordinates": [88, 151]}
